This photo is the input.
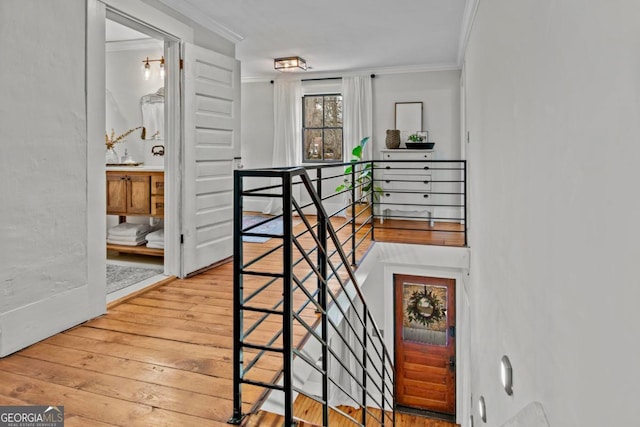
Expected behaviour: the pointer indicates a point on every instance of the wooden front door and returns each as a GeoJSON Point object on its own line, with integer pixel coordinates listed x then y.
{"type": "Point", "coordinates": [425, 343]}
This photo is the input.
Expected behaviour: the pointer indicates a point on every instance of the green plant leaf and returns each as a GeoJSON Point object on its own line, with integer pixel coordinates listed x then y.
{"type": "Point", "coordinates": [357, 151]}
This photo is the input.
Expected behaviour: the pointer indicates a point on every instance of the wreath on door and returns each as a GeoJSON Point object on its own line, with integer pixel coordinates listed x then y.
{"type": "Point", "coordinates": [425, 308]}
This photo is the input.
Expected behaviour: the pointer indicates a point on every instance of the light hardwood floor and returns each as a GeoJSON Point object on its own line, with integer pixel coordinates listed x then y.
{"type": "Point", "coordinates": [163, 357]}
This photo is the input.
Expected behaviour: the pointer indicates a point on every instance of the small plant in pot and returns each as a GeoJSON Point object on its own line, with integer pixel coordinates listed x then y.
{"type": "Point", "coordinates": [416, 138]}
{"type": "Point", "coordinates": [360, 175]}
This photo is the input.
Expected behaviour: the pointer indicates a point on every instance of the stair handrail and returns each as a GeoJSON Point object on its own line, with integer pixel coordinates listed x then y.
{"type": "Point", "coordinates": [325, 228]}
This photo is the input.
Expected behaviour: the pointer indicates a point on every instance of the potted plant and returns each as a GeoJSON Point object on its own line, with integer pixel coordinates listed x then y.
{"type": "Point", "coordinates": [362, 176]}
{"type": "Point", "coordinates": [416, 138]}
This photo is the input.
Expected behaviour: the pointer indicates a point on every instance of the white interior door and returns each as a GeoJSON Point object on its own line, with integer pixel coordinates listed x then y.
{"type": "Point", "coordinates": [211, 142]}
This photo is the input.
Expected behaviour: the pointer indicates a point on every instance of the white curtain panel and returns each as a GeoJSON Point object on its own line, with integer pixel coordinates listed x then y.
{"type": "Point", "coordinates": [357, 104]}
{"type": "Point", "coordinates": [287, 134]}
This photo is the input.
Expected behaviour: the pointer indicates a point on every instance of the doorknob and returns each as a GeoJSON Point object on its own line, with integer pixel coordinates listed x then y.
{"type": "Point", "coordinates": [452, 363]}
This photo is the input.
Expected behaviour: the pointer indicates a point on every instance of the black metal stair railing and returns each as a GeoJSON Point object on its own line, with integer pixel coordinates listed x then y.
{"type": "Point", "coordinates": [414, 190]}
{"type": "Point", "coordinates": [313, 299]}
{"type": "Point", "coordinates": [299, 312]}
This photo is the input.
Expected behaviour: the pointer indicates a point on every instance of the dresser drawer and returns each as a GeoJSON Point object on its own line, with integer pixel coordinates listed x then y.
{"type": "Point", "coordinates": [405, 199]}
{"type": "Point", "coordinates": [407, 155]}
{"type": "Point", "coordinates": [419, 169]}
{"type": "Point", "coordinates": [157, 205]}
{"type": "Point", "coordinates": [157, 184]}
{"type": "Point", "coordinates": [407, 182]}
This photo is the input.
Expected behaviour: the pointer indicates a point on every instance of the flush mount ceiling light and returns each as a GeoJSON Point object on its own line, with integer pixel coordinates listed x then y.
{"type": "Point", "coordinates": [147, 67]}
{"type": "Point", "coordinates": [291, 63]}
{"type": "Point", "coordinates": [506, 374]}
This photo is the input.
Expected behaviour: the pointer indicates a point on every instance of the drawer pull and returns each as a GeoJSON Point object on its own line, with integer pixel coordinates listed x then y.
{"type": "Point", "coordinates": [387, 181]}
{"type": "Point", "coordinates": [426, 168]}
{"type": "Point", "coordinates": [425, 195]}
{"type": "Point", "coordinates": [426, 182]}
{"type": "Point", "coordinates": [388, 167]}
{"type": "Point", "coordinates": [388, 195]}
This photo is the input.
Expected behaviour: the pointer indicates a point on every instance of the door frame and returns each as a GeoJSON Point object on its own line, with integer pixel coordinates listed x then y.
{"type": "Point", "coordinates": [439, 281]}
{"type": "Point", "coordinates": [138, 15]}
{"type": "Point", "coordinates": [463, 355]}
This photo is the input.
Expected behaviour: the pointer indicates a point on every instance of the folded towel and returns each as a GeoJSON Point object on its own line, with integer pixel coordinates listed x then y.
{"type": "Point", "coordinates": [128, 229]}
{"type": "Point", "coordinates": [155, 245]}
{"type": "Point", "coordinates": [130, 239]}
{"type": "Point", "coordinates": [125, 243]}
{"type": "Point", "coordinates": [156, 236]}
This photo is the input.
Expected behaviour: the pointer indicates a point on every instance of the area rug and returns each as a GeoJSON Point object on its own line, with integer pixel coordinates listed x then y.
{"type": "Point", "coordinates": [119, 276]}
{"type": "Point", "coordinates": [271, 227]}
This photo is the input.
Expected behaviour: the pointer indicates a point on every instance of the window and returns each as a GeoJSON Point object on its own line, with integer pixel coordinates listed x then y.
{"type": "Point", "coordinates": [322, 128]}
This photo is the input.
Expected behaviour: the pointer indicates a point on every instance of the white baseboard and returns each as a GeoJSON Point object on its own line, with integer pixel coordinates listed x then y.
{"type": "Point", "coordinates": [34, 322]}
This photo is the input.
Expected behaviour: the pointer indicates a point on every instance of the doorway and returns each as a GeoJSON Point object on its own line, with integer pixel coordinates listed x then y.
{"type": "Point", "coordinates": [137, 139]}
{"type": "Point", "coordinates": [424, 318]}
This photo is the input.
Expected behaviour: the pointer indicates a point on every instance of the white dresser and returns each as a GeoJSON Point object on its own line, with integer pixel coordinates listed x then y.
{"type": "Point", "coordinates": [406, 185]}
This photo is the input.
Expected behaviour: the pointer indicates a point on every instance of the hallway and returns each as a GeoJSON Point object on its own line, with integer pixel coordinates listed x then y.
{"type": "Point", "coordinates": [163, 357]}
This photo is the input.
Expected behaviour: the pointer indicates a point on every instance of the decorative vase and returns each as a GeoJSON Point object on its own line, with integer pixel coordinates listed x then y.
{"type": "Point", "coordinates": [111, 157]}
{"type": "Point", "coordinates": [393, 138]}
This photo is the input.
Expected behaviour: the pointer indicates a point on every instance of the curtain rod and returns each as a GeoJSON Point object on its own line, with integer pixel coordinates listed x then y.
{"type": "Point", "coordinates": [373, 76]}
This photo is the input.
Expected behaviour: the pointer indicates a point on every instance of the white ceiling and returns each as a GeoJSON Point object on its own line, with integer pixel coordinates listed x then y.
{"type": "Point", "coordinates": [337, 35]}
{"type": "Point", "coordinates": [332, 36]}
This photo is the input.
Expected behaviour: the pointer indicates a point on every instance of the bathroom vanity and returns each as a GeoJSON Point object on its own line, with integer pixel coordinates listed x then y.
{"type": "Point", "coordinates": [135, 191]}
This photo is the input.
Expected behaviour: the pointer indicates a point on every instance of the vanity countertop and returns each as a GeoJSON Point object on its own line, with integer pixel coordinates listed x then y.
{"type": "Point", "coordinates": [140, 168]}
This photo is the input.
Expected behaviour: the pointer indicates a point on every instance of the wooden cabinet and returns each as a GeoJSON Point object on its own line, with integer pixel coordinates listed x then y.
{"type": "Point", "coordinates": [407, 186]}
{"type": "Point", "coordinates": [135, 193]}
{"type": "Point", "coordinates": [157, 195]}
{"type": "Point", "coordinates": [132, 193]}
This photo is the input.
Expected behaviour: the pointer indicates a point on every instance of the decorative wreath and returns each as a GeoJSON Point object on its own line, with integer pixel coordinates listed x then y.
{"type": "Point", "coordinates": [424, 307]}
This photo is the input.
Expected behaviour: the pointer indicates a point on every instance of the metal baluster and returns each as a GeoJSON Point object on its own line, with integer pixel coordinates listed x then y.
{"type": "Point", "coordinates": [287, 321]}
{"type": "Point", "coordinates": [237, 301]}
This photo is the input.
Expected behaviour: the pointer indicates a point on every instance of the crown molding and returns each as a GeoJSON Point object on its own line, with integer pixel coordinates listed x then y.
{"type": "Point", "coordinates": [197, 15]}
{"type": "Point", "coordinates": [139, 44]}
{"type": "Point", "coordinates": [470, 10]}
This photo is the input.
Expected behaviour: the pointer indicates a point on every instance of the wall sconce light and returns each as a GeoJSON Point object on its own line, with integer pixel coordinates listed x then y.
{"type": "Point", "coordinates": [506, 374]}
{"type": "Point", "coordinates": [290, 63]}
{"type": "Point", "coordinates": [147, 67]}
{"type": "Point", "coordinates": [482, 409]}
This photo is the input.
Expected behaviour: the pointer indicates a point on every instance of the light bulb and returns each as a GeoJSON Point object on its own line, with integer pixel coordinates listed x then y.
{"type": "Point", "coordinates": [147, 70]}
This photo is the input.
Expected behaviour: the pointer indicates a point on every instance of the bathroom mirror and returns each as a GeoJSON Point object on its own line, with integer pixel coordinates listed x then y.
{"type": "Point", "coordinates": [408, 117]}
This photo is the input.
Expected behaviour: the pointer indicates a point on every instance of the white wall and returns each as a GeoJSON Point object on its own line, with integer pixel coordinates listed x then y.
{"type": "Point", "coordinates": [125, 86]}
{"type": "Point", "coordinates": [257, 125]}
{"type": "Point", "coordinates": [44, 283]}
{"type": "Point", "coordinates": [439, 91]}
{"type": "Point", "coordinates": [554, 119]}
